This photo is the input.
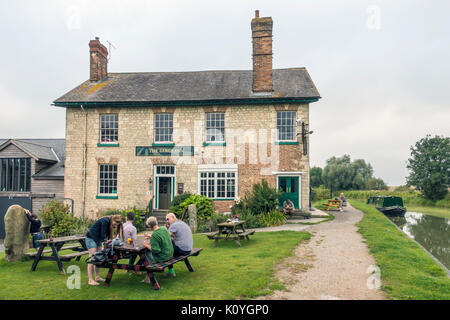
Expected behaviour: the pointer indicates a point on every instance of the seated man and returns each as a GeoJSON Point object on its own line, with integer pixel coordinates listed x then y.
{"type": "Point", "coordinates": [288, 207]}
{"type": "Point", "coordinates": [160, 248]}
{"type": "Point", "coordinates": [181, 236]}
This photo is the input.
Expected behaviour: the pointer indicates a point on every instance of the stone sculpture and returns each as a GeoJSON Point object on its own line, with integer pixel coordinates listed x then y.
{"type": "Point", "coordinates": [17, 229]}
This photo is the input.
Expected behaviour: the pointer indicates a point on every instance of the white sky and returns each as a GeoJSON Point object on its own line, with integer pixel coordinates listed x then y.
{"type": "Point", "coordinates": [381, 67]}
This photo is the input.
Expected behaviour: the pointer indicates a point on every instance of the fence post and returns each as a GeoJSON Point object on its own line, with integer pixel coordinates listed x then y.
{"type": "Point", "coordinates": [192, 209]}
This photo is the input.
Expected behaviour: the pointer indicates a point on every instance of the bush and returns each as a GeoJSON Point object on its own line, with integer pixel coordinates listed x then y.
{"type": "Point", "coordinates": [211, 224]}
{"type": "Point", "coordinates": [320, 193]}
{"type": "Point", "coordinates": [264, 198]}
{"type": "Point", "coordinates": [273, 218]}
{"type": "Point", "coordinates": [138, 223]}
{"type": "Point", "coordinates": [251, 220]}
{"type": "Point", "coordinates": [204, 207]}
{"type": "Point", "coordinates": [175, 204]}
{"type": "Point", "coordinates": [58, 217]}
{"type": "Point", "coordinates": [82, 225]}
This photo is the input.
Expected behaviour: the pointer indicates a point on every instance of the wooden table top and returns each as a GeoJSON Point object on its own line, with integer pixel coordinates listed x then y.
{"type": "Point", "coordinates": [62, 239]}
{"type": "Point", "coordinates": [231, 224]}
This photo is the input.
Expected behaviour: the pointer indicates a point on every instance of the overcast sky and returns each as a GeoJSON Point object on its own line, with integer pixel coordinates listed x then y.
{"type": "Point", "coordinates": [381, 67]}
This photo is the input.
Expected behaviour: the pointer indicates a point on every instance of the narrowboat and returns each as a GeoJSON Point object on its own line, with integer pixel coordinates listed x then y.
{"type": "Point", "coordinates": [389, 205]}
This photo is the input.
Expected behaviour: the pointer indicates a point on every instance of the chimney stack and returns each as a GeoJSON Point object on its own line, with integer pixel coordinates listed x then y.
{"type": "Point", "coordinates": [99, 60]}
{"type": "Point", "coordinates": [262, 53]}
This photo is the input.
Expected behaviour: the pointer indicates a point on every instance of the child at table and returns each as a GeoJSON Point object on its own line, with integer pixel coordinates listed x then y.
{"type": "Point", "coordinates": [35, 228]}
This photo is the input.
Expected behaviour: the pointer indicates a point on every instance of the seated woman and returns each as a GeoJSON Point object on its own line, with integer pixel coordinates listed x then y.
{"type": "Point", "coordinates": [100, 231]}
{"type": "Point", "coordinates": [343, 202]}
{"type": "Point", "coordinates": [160, 248]}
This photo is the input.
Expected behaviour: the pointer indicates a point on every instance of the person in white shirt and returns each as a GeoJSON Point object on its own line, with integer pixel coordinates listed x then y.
{"type": "Point", "coordinates": [129, 230]}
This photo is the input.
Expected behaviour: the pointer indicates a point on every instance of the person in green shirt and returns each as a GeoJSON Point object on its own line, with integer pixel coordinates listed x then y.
{"type": "Point", "coordinates": [160, 248]}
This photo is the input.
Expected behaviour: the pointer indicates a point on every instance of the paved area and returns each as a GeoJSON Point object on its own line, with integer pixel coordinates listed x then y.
{"type": "Point", "coordinates": [335, 264]}
{"type": "Point", "coordinates": [2, 248]}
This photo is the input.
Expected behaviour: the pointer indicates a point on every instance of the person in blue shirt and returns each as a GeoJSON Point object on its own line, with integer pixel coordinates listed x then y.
{"type": "Point", "coordinates": [103, 229]}
{"type": "Point", "coordinates": [35, 228]}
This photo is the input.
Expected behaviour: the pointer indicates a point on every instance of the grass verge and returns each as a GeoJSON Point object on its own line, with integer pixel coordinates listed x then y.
{"type": "Point", "coordinates": [407, 272]}
{"type": "Point", "coordinates": [432, 211]}
{"type": "Point", "coordinates": [222, 272]}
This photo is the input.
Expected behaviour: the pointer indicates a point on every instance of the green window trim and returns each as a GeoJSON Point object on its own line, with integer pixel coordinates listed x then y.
{"type": "Point", "coordinates": [107, 145]}
{"type": "Point", "coordinates": [205, 144]}
{"type": "Point", "coordinates": [107, 197]}
{"type": "Point", "coordinates": [286, 142]}
{"type": "Point", "coordinates": [163, 144]}
{"type": "Point", "coordinates": [222, 199]}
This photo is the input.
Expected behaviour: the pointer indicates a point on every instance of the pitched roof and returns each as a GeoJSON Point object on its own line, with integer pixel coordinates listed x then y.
{"type": "Point", "coordinates": [55, 171]}
{"type": "Point", "coordinates": [189, 86]}
{"type": "Point", "coordinates": [48, 150]}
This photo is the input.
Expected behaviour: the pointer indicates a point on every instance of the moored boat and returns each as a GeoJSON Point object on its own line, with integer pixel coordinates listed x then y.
{"type": "Point", "coordinates": [389, 205]}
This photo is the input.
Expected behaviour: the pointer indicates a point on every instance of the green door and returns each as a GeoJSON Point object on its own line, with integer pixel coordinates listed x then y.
{"type": "Point", "coordinates": [289, 188]}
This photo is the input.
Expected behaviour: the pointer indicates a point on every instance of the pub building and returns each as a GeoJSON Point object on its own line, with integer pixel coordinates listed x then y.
{"type": "Point", "coordinates": [141, 138]}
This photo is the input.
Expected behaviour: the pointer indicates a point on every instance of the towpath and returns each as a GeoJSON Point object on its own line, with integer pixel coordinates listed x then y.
{"type": "Point", "coordinates": [334, 264]}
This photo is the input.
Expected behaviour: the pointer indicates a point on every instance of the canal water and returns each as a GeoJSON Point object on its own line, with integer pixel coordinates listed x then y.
{"type": "Point", "coordinates": [433, 233]}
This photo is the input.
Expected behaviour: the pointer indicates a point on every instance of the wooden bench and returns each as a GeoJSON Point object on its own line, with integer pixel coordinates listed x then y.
{"type": "Point", "coordinates": [33, 254]}
{"type": "Point", "coordinates": [242, 235]}
{"type": "Point", "coordinates": [70, 256]}
{"type": "Point", "coordinates": [145, 267]}
{"type": "Point", "coordinates": [332, 204]}
{"type": "Point", "coordinates": [159, 267]}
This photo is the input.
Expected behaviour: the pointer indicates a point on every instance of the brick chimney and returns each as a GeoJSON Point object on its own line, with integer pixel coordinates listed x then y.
{"type": "Point", "coordinates": [99, 60]}
{"type": "Point", "coordinates": [262, 53]}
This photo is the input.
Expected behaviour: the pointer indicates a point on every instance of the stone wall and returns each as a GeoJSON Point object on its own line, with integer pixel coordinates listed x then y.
{"type": "Point", "coordinates": [245, 129]}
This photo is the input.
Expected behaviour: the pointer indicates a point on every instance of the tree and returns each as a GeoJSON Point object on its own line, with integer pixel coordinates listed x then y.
{"type": "Point", "coordinates": [343, 174]}
{"type": "Point", "coordinates": [338, 173]}
{"type": "Point", "coordinates": [376, 184]}
{"type": "Point", "coordinates": [429, 166]}
{"type": "Point", "coordinates": [315, 176]}
{"type": "Point", "coordinates": [363, 172]}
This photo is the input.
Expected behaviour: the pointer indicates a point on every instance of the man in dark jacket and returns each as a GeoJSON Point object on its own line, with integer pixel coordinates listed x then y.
{"type": "Point", "coordinates": [35, 228]}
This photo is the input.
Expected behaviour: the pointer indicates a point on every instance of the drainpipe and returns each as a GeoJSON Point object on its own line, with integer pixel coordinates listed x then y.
{"type": "Point", "coordinates": [84, 162]}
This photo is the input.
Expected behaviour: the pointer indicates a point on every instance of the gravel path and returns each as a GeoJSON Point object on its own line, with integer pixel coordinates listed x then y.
{"type": "Point", "coordinates": [335, 264]}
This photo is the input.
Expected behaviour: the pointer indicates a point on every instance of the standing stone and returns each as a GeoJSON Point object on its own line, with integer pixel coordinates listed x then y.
{"type": "Point", "coordinates": [17, 229]}
{"type": "Point", "coordinates": [192, 209]}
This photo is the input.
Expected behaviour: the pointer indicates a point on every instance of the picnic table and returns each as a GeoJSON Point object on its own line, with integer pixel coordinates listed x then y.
{"type": "Point", "coordinates": [231, 231]}
{"type": "Point", "coordinates": [56, 244]}
{"type": "Point", "coordinates": [127, 251]}
{"type": "Point", "coordinates": [332, 203]}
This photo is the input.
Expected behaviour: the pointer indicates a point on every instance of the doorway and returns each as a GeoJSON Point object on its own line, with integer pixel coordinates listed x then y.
{"type": "Point", "coordinates": [164, 194]}
{"type": "Point", "coordinates": [289, 186]}
{"type": "Point", "coordinates": [164, 186]}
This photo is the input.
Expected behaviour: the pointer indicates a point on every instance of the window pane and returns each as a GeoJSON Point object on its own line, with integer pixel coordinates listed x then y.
{"type": "Point", "coordinates": [215, 126]}
{"type": "Point", "coordinates": [286, 125]}
{"type": "Point", "coordinates": [109, 127]}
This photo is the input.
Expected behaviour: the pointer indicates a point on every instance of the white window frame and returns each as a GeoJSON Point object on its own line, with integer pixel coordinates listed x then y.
{"type": "Point", "coordinates": [154, 126]}
{"type": "Point", "coordinates": [294, 138]}
{"type": "Point", "coordinates": [219, 169]}
{"type": "Point", "coordinates": [206, 127]}
{"type": "Point", "coordinates": [99, 179]}
{"type": "Point", "coordinates": [109, 121]}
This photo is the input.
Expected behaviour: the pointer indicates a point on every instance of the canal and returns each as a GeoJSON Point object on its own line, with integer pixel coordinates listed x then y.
{"type": "Point", "coordinates": [433, 233]}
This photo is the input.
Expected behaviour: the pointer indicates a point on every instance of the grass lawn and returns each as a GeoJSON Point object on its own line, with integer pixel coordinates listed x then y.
{"type": "Point", "coordinates": [222, 272]}
{"type": "Point", "coordinates": [432, 211]}
{"type": "Point", "coordinates": [407, 272]}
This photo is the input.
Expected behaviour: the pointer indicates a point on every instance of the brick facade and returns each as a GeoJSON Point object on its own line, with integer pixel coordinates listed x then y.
{"type": "Point", "coordinates": [250, 135]}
